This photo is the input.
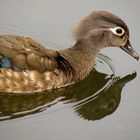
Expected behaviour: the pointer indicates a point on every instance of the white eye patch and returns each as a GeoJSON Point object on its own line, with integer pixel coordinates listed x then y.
{"type": "Point", "coordinates": [119, 31]}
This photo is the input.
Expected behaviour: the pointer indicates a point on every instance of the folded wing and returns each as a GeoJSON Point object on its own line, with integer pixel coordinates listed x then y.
{"type": "Point", "coordinates": [25, 53]}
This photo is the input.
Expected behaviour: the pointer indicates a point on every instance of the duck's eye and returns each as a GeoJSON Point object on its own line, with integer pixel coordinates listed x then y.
{"type": "Point", "coordinates": [118, 31]}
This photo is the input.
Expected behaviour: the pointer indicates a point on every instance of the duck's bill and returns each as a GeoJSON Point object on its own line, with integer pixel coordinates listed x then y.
{"type": "Point", "coordinates": [128, 48]}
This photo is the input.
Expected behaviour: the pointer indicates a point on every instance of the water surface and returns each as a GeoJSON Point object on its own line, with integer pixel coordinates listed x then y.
{"type": "Point", "coordinates": [104, 106]}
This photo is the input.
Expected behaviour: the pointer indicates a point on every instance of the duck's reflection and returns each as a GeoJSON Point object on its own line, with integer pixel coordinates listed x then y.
{"type": "Point", "coordinates": [95, 97]}
{"type": "Point", "coordinates": [104, 103]}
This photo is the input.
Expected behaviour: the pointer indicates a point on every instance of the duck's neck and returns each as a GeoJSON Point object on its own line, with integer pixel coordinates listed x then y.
{"type": "Point", "coordinates": [81, 57]}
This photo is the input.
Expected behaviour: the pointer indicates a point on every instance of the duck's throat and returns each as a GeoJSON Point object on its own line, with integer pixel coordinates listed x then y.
{"type": "Point", "coordinates": [81, 58]}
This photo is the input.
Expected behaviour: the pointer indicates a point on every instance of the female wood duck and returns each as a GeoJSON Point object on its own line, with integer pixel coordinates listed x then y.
{"type": "Point", "coordinates": [35, 68]}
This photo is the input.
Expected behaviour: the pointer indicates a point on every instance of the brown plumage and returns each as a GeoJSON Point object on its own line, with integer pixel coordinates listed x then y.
{"type": "Point", "coordinates": [35, 68]}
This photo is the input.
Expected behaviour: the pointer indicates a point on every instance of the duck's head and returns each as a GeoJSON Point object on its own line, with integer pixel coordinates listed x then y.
{"type": "Point", "coordinates": [102, 29]}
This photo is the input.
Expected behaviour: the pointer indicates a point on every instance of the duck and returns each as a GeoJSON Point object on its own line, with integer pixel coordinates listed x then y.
{"type": "Point", "coordinates": [35, 68]}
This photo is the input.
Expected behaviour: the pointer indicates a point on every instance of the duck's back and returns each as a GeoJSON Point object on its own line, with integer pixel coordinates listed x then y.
{"type": "Point", "coordinates": [26, 53]}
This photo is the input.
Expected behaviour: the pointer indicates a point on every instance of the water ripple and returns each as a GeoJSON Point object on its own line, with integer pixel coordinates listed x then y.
{"type": "Point", "coordinates": [97, 96]}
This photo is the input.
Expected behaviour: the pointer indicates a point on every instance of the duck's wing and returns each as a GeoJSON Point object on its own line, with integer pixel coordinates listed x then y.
{"type": "Point", "coordinates": [26, 53]}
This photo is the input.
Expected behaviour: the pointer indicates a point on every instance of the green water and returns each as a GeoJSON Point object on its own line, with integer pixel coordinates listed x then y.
{"type": "Point", "coordinates": [104, 106]}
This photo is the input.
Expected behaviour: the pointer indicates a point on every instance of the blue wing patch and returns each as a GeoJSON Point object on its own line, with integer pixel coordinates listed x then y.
{"type": "Point", "coordinates": [5, 63]}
